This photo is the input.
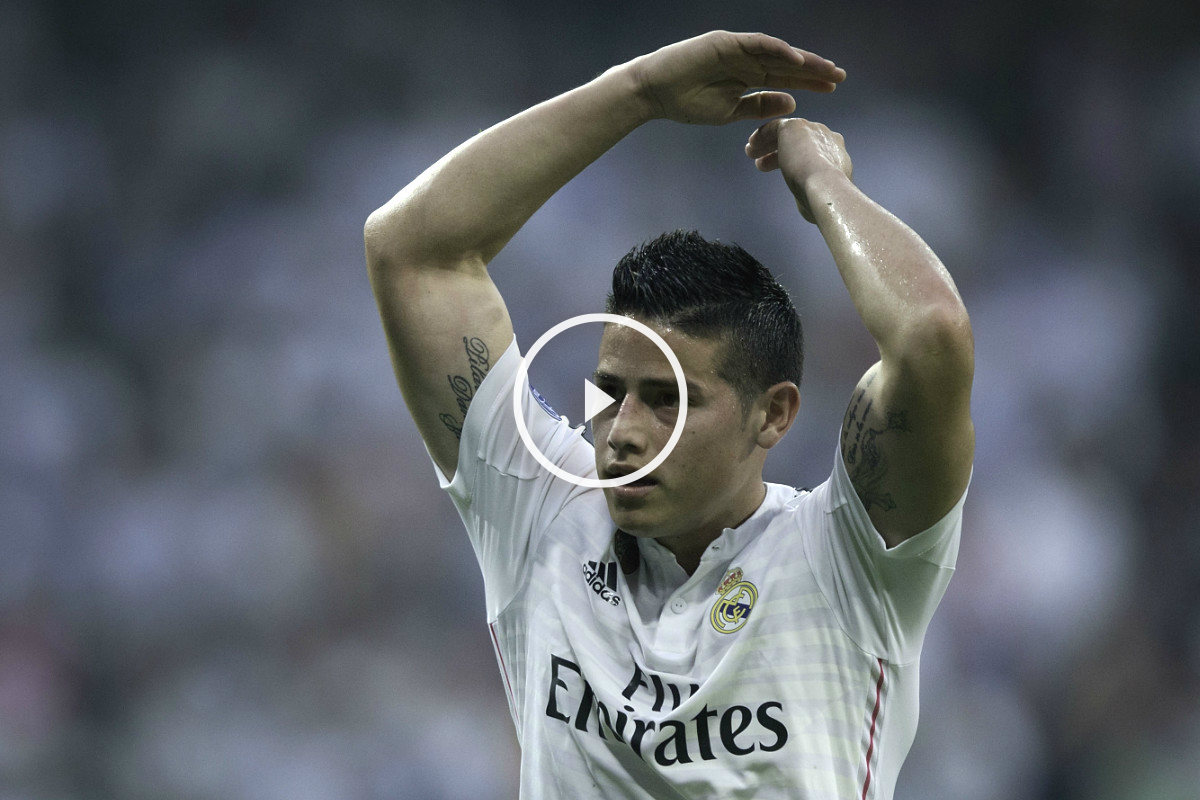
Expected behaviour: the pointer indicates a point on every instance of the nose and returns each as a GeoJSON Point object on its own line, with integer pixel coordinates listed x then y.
{"type": "Point", "coordinates": [628, 432]}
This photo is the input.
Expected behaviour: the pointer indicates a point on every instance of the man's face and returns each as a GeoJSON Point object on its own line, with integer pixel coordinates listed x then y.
{"type": "Point", "coordinates": [716, 458]}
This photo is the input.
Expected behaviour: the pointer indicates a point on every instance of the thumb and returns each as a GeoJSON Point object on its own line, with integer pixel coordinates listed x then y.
{"type": "Point", "coordinates": [761, 105]}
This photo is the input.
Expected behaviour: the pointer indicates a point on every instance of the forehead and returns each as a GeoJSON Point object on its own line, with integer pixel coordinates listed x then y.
{"type": "Point", "coordinates": [627, 353]}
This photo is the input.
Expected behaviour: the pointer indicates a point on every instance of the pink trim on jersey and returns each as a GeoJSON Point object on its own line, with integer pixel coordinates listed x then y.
{"type": "Point", "coordinates": [504, 668]}
{"type": "Point", "coordinates": [874, 717]}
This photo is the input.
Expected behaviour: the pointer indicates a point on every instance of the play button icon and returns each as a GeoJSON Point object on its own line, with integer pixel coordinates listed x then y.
{"type": "Point", "coordinates": [595, 400]}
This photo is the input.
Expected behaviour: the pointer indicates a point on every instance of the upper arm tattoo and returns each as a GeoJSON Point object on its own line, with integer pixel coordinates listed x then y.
{"type": "Point", "coordinates": [479, 359]}
{"type": "Point", "coordinates": [865, 462]}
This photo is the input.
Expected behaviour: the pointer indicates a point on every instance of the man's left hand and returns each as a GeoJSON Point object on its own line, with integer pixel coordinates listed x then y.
{"type": "Point", "coordinates": [799, 149]}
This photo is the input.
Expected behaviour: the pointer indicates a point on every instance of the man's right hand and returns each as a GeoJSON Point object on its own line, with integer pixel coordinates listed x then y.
{"type": "Point", "coordinates": [704, 80]}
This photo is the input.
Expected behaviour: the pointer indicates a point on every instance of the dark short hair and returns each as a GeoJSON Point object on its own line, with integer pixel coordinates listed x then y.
{"type": "Point", "coordinates": [715, 290]}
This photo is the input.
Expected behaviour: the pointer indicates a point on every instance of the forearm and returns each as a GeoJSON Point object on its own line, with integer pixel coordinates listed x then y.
{"type": "Point", "coordinates": [899, 286]}
{"type": "Point", "coordinates": [473, 200]}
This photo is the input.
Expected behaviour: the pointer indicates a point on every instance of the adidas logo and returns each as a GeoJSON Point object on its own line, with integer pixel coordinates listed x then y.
{"type": "Point", "coordinates": [602, 577]}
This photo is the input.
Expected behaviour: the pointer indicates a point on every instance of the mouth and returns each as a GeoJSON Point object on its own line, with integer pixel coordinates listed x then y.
{"type": "Point", "coordinates": [634, 489]}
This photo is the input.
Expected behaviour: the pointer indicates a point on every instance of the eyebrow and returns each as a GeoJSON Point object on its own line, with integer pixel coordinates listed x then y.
{"type": "Point", "coordinates": [655, 383]}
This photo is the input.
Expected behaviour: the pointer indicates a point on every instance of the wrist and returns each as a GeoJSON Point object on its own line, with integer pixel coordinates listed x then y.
{"type": "Point", "coordinates": [820, 186]}
{"type": "Point", "coordinates": [635, 87]}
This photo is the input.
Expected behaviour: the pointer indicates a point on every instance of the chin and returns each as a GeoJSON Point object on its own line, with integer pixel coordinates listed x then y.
{"type": "Point", "coordinates": [631, 520]}
{"type": "Point", "coordinates": [638, 522]}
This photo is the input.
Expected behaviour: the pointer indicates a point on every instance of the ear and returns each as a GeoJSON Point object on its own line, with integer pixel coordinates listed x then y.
{"type": "Point", "coordinates": [775, 412]}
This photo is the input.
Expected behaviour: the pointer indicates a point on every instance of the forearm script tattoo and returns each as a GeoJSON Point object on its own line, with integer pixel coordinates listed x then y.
{"type": "Point", "coordinates": [480, 361]}
{"type": "Point", "coordinates": [860, 449]}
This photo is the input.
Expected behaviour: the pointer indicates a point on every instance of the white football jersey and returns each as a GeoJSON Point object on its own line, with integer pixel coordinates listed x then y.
{"type": "Point", "coordinates": [784, 667]}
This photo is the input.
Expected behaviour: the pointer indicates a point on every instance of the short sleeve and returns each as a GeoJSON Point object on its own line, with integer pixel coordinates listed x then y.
{"type": "Point", "coordinates": [503, 495]}
{"type": "Point", "coordinates": [884, 597]}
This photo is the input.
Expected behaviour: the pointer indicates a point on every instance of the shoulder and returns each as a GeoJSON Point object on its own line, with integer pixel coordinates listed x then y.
{"type": "Point", "coordinates": [791, 510]}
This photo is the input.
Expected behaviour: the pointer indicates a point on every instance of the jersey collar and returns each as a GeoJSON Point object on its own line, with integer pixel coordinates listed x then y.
{"type": "Point", "coordinates": [631, 550]}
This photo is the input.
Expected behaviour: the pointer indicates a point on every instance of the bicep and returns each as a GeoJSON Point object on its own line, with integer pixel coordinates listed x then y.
{"type": "Point", "coordinates": [908, 443]}
{"type": "Point", "coordinates": [445, 328]}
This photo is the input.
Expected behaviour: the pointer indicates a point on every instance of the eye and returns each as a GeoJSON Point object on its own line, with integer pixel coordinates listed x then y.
{"type": "Point", "coordinates": [666, 399]}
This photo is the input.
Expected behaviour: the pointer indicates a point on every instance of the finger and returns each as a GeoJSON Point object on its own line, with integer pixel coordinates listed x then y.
{"type": "Point", "coordinates": [767, 162]}
{"type": "Point", "coordinates": [761, 105]}
{"type": "Point", "coordinates": [754, 155]}
{"type": "Point", "coordinates": [798, 83]}
{"type": "Point", "coordinates": [820, 87]}
{"type": "Point", "coordinates": [764, 140]}
{"type": "Point", "coordinates": [808, 64]}
{"type": "Point", "coordinates": [762, 45]}
{"type": "Point", "coordinates": [821, 67]}
{"type": "Point", "coordinates": [768, 55]}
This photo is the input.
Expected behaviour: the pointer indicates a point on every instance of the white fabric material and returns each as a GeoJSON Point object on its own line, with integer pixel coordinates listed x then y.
{"type": "Point", "coordinates": [798, 681]}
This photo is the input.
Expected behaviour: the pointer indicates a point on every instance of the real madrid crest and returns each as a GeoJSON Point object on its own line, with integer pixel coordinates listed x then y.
{"type": "Point", "coordinates": [735, 599]}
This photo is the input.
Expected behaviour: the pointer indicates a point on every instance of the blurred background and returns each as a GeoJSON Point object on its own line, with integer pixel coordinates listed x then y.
{"type": "Point", "coordinates": [226, 570]}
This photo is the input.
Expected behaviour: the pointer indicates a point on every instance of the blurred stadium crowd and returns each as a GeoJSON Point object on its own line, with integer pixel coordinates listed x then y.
{"type": "Point", "coordinates": [226, 570]}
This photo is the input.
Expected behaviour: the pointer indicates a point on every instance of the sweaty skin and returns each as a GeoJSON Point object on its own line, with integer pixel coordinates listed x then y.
{"type": "Point", "coordinates": [907, 440]}
{"type": "Point", "coordinates": [713, 478]}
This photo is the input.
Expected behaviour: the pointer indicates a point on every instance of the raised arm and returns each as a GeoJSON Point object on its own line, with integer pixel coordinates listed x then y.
{"type": "Point", "coordinates": [907, 438]}
{"type": "Point", "coordinates": [429, 246]}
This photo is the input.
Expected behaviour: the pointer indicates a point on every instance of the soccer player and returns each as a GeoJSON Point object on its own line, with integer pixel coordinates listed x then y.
{"type": "Point", "coordinates": [698, 633]}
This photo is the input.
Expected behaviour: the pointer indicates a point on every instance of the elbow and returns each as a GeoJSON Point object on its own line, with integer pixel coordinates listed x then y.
{"type": "Point", "coordinates": [372, 228]}
{"type": "Point", "coordinates": [949, 326]}
{"type": "Point", "coordinates": [397, 237]}
{"type": "Point", "coordinates": [379, 238]}
{"type": "Point", "coordinates": [940, 343]}
{"type": "Point", "coordinates": [390, 243]}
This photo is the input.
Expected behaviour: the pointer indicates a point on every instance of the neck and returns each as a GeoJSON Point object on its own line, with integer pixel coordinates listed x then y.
{"type": "Point", "coordinates": [688, 548]}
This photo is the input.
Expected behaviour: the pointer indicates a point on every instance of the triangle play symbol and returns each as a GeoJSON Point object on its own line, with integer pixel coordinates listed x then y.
{"type": "Point", "coordinates": [594, 400]}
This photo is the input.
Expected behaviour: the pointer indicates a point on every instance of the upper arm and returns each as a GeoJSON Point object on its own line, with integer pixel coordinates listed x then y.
{"type": "Point", "coordinates": [446, 325]}
{"type": "Point", "coordinates": [907, 438]}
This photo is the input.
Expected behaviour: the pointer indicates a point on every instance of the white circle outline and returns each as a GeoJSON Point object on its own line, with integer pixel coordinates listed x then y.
{"type": "Point", "coordinates": [523, 381]}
